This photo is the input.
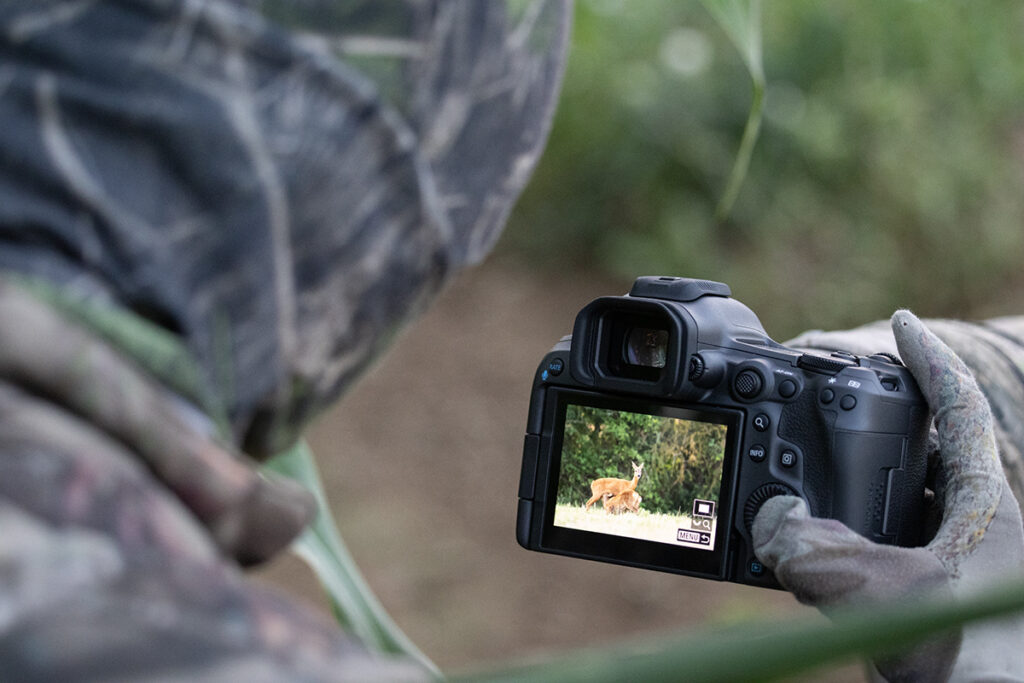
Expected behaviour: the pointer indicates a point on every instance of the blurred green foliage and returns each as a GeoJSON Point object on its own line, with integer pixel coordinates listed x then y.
{"type": "Point", "coordinates": [888, 172]}
{"type": "Point", "coordinates": [682, 459]}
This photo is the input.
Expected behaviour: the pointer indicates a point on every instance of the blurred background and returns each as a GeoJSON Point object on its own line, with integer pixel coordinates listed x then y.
{"type": "Point", "coordinates": [888, 174]}
{"type": "Point", "coordinates": [888, 171]}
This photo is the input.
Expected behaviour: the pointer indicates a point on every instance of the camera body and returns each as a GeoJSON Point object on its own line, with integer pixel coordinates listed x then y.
{"type": "Point", "coordinates": [662, 424]}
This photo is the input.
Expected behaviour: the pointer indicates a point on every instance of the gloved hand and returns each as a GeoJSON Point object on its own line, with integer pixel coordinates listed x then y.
{"type": "Point", "coordinates": [249, 516]}
{"type": "Point", "coordinates": [980, 539]}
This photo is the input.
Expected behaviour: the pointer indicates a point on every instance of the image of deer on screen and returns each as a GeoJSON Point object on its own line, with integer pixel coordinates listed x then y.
{"type": "Point", "coordinates": [643, 476]}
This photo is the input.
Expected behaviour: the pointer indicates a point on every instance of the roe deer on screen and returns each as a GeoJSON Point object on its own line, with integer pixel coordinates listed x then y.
{"type": "Point", "coordinates": [614, 486]}
{"type": "Point", "coordinates": [627, 501]}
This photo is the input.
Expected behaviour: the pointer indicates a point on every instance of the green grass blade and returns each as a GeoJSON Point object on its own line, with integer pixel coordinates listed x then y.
{"type": "Point", "coordinates": [355, 606]}
{"type": "Point", "coordinates": [741, 21]}
{"type": "Point", "coordinates": [771, 649]}
{"type": "Point", "coordinates": [739, 168]}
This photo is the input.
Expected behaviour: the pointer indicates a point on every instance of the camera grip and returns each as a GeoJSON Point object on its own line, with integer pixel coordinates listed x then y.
{"type": "Point", "coordinates": [879, 482]}
{"type": "Point", "coordinates": [808, 427]}
{"type": "Point", "coordinates": [871, 481]}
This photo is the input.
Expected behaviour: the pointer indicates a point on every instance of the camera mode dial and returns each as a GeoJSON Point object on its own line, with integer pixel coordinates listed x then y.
{"type": "Point", "coordinates": [759, 497]}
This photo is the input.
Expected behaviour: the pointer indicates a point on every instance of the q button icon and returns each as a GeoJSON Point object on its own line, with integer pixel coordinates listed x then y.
{"type": "Point", "coordinates": [762, 422]}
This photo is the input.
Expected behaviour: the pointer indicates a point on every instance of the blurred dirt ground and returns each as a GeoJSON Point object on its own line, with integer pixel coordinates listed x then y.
{"type": "Point", "coordinates": [421, 463]}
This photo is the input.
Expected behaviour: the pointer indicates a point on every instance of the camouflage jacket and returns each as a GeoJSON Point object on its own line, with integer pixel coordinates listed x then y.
{"type": "Point", "coordinates": [213, 215]}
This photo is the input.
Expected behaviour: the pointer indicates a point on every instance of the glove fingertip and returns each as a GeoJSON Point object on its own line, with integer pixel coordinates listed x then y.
{"type": "Point", "coordinates": [768, 530]}
{"type": "Point", "coordinates": [904, 317]}
{"type": "Point", "coordinates": [270, 517]}
{"type": "Point", "coordinates": [923, 351]}
{"type": "Point", "coordinates": [773, 514]}
{"type": "Point", "coordinates": [910, 335]}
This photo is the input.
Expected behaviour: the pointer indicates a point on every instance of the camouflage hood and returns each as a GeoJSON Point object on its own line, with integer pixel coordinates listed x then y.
{"type": "Point", "coordinates": [280, 184]}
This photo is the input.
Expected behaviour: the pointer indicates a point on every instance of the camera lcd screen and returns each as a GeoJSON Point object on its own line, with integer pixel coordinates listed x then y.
{"type": "Point", "coordinates": [649, 477]}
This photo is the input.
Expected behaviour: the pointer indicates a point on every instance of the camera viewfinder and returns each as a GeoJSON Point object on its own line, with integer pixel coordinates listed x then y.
{"type": "Point", "coordinates": [636, 347]}
{"type": "Point", "coordinates": [646, 346]}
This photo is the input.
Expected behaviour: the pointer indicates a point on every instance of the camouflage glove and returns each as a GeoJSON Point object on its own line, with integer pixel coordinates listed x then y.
{"type": "Point", "coordinates": [249, 516]}
{"type": "Point", "coordinates": [980, 538]}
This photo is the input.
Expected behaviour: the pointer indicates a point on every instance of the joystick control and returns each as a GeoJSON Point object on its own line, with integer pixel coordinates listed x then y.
{"type": "Point", "coordinates": [748, 383]}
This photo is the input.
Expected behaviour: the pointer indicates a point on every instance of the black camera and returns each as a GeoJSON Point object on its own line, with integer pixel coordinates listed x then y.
{"type": "Point", "coordinates": [659, 428]}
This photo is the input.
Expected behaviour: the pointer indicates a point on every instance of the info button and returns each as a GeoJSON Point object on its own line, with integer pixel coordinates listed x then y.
{"type": "Point", "coordinates": [757, 452]}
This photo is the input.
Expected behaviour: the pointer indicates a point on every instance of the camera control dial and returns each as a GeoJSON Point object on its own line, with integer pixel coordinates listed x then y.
{"type": "Point", "coordinates": [697, 367]}
{"type": "Point", "coordinates": [759, 497]}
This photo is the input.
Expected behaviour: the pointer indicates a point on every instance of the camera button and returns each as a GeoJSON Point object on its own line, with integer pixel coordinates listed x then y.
{"type": "Point", "coordinates": [757, 452]}
{"type": "Point", "coordinates": [827, 396]}
{"type": "Point", "coordinates": [787, 388]}
{"type": "Point", "coordinates": [762, 422]}
{"type": "Point", "coordinates": [788, 458]}
{"type": "Point", "coordinates": [848, 402]}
